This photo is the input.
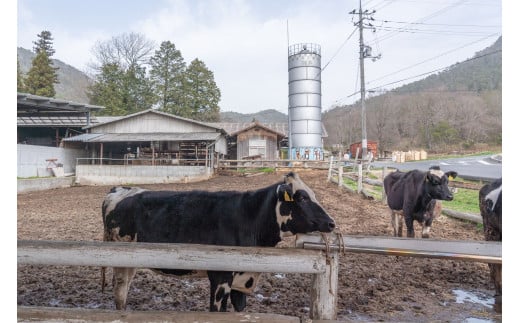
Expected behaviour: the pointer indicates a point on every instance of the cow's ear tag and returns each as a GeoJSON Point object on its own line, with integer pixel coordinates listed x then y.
{"type": "Point", "coordinates": [450, 178]}
{"type": "Point", "coordinates": [286, 197]}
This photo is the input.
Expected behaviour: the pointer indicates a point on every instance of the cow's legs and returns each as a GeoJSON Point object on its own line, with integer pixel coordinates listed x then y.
{"type": "Point", "coordinates": [394, 221]}
{"type": "Point", "coordinates": [220, 287]}
{"type": "Point", "coordinates": [425, 230]}
{"type": "Point", "coordinates": [122, 279]}
{"type": "Point", "coordinates": [410, 233]}
{"type": "Point", "coordinates": [496, 277]}
{"type": "Point", "coordinates": [397, 223]}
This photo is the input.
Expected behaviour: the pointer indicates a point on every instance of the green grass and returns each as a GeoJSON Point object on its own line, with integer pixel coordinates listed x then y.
{"type": "Point", "coordinates": [463, 201]}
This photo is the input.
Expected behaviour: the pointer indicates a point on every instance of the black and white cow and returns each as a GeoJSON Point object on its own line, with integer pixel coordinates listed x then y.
{"type": "Point", "coordinates": [416, 195]}
{"type": "Point", "coordinates": [253, 218]}
{"type": "Point", "coordinates": [490, 203]}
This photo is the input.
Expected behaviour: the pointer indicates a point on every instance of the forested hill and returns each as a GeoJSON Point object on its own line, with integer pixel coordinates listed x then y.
{"type": "Point", "coordinates": [482, 72]}
{"type": "Point", "coordinates": [72, 84]}
{"type": "Point", "coordinates": [459, 108]}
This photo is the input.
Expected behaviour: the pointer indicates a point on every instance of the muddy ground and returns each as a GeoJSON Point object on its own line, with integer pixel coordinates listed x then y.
{"type": "Point", "coordinates": [371, 287]}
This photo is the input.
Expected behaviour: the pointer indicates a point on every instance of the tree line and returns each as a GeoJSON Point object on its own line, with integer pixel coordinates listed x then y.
{"type": "Point", "coordinates": [131, 75]}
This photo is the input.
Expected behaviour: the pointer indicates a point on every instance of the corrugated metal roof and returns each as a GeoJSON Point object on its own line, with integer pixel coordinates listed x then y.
{"type": "Point", "coordinates": [85, 137]}
{"type": "Point", "coordinates": [235, 127]}
{"type": "Point", "coordinates": [30, 101]}
{"type": "Point", "coordinates": [136, 137]}
{"type": "Point", "coordinates": [52, 121]}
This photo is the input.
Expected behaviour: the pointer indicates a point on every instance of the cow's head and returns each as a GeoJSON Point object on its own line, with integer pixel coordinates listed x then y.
{"type": "Point", "coordinates": [297, 209]}
{"type": "Point", "coordinates": [437, 183]}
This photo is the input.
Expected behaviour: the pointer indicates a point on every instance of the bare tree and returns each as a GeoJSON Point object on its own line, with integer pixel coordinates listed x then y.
{"type": "Point", "coordinates": [126, 50]}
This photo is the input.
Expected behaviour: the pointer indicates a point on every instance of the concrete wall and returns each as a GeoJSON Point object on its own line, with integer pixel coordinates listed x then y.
{"type": "Point", "coordinates": [135, 174]}
{"type": "Point", "coordinates": [32, 160]}
{"type": "Point", "coordinates": [40, 184]}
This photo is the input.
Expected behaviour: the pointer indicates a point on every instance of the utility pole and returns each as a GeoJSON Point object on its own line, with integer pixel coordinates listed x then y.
{"type": "Point", "coordinates": [364, 52]}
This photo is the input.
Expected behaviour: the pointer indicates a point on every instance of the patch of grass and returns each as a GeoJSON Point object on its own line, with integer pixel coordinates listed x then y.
{"type": "Point", "coordinates": [267, 170]}
{"type": "Point", "coordinates": [464, 200]}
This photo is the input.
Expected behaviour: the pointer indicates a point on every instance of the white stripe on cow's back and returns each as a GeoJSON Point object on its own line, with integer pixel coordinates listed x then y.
{"type": "Point", "coordinates": [112, 199]}
{"type": "Point", "coordinates": [493, 196]}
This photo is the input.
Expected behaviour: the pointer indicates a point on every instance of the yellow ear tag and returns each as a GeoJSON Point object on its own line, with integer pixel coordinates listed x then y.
{"type": "Point", "coordinates": [450, 178]}
{"type": "Point", "coordinates": [286, 197]}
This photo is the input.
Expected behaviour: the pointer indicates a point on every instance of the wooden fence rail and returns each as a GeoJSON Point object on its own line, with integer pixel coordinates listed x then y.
{"type": "Point", "coordinates": [307, 257]}
{"type": "Point", "coordinates": [196, 257]}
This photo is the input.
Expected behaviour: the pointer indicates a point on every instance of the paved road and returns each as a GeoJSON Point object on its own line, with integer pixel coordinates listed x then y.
{"type": "Point", "coordinates": [487, 167]}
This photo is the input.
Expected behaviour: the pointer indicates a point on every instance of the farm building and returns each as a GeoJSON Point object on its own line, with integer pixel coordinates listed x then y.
{"type": "Point", "coordinates": [254, 140]}
{"type": "Point", "coordinates": [46, 121]}
{"type": "Point", "coordinates": [148, 138]}
{"type": "Point", "coordinates": [371, 147]}
{"type": "Point", "coordinates": [152, 137]}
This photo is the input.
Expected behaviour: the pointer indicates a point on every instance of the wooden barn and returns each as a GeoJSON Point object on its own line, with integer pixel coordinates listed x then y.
{"type": "Point", "coordinates": [254, 140]}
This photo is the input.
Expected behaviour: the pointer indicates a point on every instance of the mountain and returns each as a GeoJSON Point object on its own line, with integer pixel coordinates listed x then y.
{"type": "Point", "coordinates": [457, 109]}
{"type": "Point", "coordinates": [264, 116]}
{"type": "Point", "coordinates": [72, 82]}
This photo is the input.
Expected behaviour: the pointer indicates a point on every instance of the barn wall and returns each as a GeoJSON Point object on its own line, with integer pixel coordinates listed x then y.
{"type": "Point", "coordinates": [31, 160]}
{"type": "Point", "coordinates": [149, 123]}
{"type": "Point", "coordinates": [121, 175]}
{"type": "Point", "coordinates": [257, 133]}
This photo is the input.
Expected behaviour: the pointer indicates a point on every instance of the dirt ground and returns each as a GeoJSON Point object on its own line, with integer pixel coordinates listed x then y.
{"type": "Point", "coordinates": [371, 287]}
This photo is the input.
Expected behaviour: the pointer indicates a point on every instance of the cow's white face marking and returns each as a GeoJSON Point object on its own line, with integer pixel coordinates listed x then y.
{"type": "Point", "coordinates": [493, 196]}
{"type": "Point", "coordinates": [120, 193]}
{"type": "Point", "coordinates": [245, 282]}
{"type": "Point", "coordinates": [437, 172]}
{"type": "Point", "coordinates": [282, 220]}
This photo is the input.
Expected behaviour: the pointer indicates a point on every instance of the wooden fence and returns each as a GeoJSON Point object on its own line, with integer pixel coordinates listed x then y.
{"type": "Point", "coordinates": [279, 163]}
{"type": "Point", "coordinates": [308, 257]}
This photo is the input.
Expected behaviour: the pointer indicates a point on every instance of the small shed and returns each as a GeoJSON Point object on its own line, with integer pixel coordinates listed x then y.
{"type": "Point", "coordinates": [371, 147]}
{"type": "Point", "coordinates": [254, 140]}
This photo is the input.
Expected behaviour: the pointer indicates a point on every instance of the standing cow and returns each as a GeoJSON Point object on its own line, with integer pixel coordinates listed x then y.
{"type": "Point", "coordinates": [490, 203]}
{"type": "Point", "coordinates": [253, 218]}
{"type": "Point", "coordinates": [416, 195]}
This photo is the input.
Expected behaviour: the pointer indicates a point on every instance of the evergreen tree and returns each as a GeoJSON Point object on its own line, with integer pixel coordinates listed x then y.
{"type": "Point", "coordinates": [166, 74]}
{"type": "Point", "coordinates": [20, 87]}
{"type": "Point", "coordinates": [42, 76]}
{"type": "Point", "coordinates": [121, 92]}
{"type": "Point", "coordinates": [44, 43]}
{"type": "Point", "coordinates": [107, 90]}
{"type": "Point", "coordinates": [138, 94]}
{"type": "Point", "coordinates": [200, 93]}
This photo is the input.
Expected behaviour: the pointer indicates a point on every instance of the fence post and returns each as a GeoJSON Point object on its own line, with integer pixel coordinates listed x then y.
{"type": "Point", "coordinates": [324, 290]}
{"type": "Point", "coordinates": [340, 174]}
{"type": "Point", "coordinates": [360, 177]}
{"type": "Point", "coordinates": [329, 176]}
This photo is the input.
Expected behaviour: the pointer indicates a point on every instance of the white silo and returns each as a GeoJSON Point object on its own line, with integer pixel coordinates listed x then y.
{"type": "Point", "coordinates": [305, 133]}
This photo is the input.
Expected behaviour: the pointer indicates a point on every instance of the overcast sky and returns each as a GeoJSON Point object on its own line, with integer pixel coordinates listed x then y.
{"type": "Point", "coordinates": [245, 42]}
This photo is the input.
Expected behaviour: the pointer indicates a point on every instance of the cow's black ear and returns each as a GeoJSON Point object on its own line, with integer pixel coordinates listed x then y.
{"type": "Point", "coordinates": [451, 175]}
{"type": "Point", "coordinates": [285, 193]}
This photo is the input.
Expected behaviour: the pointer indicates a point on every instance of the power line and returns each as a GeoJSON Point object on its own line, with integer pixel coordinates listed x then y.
{"type": "Point", "coordinates": [432, 58]}
{"type": "Point", "coordinates": [447, 25]}
{"type": "Point", "coordinates": [436, 70]}
{"type": "Point", "coordinates": [377, 89]}
{"type": "Point", "coordinates": [441, 11]}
